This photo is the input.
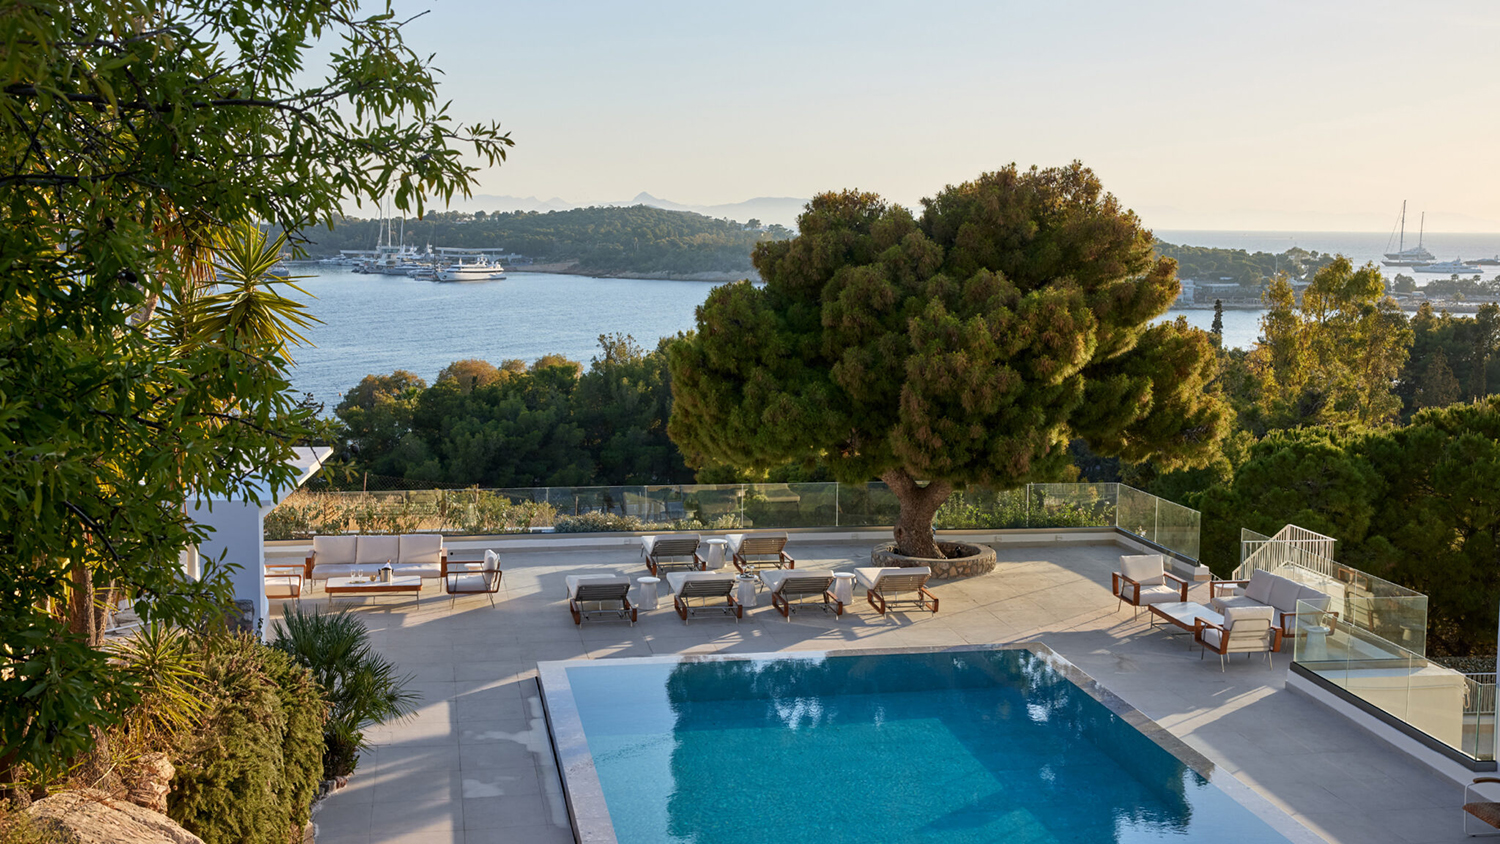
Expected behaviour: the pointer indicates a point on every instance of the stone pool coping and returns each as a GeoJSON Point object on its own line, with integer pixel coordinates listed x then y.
{"type": "Point", "coordinates": [584, 794]}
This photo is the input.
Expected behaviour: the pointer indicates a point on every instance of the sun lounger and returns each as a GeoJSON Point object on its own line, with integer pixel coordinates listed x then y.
{"type": "Point", "coordinates": [696, 593]}
{"type": "Point", "coordinates": [762, 551]}
{"type": "Point", "coordinates": [794, 590]}
{"type": "Point", "coordinates": [673, 552]}
{"type": "Point", "coordinates": [599, 596]}
{"type": "Point", "coordinates": [897, 586]}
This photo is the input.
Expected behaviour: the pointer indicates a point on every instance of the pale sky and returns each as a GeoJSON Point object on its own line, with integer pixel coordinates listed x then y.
{"type": "Point", "coordinates": [1246, 115]}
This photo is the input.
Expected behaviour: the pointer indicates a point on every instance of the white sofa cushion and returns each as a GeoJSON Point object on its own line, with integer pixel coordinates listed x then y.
{"type": "Point", "coordinates": [1316, 598]}
{"type": "Point", "coordinates": [378, 550]}
{"type": "Point", "coordinates": [323, 571]}
{"type": "Point", "coordinates": [1223, 603]}
{"type": "Point", "coordinates": [428, 570]}
{"type": "Point", "coordinates": [1145, 569]}
{"type": "Point", "coordinates": [1259, 587]}
{"type": "Point", "coordinates": [421, 548]}
{"type": "Point", "coordinates": [337, 550]}
{"type": "Point", "coordinates": [1284, 594]}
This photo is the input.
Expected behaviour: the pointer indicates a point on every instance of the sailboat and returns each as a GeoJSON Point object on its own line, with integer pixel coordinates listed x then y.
{"type": "Point", "coordinates": [1415, 256]}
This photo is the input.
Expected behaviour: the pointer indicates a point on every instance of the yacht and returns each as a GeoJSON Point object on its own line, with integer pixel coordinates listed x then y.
{"type": "Point", "coordinates": [1415, 256]}
{"type": "Point", "coordinates": [1454, 267]}
{"type": "Point", "coordinates": [480, 270]}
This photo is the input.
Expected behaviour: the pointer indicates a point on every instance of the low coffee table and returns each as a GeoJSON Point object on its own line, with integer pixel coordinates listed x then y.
{"type": "Point", "coordinates": [409, 584]}
{"type": "Point", "coordinates": [1182, 614]}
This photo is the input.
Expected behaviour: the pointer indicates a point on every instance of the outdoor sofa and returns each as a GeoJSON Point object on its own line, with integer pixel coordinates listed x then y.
{"type": "Point", "coordinates": [419, 554]}
{"type": "Point", "coordinates": [1280, 594]}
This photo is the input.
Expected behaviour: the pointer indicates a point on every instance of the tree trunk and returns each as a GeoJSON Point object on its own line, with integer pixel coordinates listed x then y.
{"type": "Point", "coordinates": [918, 505]}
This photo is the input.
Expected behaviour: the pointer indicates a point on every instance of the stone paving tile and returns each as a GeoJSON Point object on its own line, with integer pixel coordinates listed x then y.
{"type": "Point", "coordinates": [474, 764]}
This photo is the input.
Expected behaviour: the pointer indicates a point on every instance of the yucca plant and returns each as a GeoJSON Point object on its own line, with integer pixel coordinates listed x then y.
{"type": "Point", "coordinates": [165, 667]}
{"type": "Point", "coordinates": [361, 686]}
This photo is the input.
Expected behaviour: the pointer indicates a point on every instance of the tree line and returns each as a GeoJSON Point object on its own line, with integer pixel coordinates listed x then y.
{"type": "Point", "coordinates": [603, 240]}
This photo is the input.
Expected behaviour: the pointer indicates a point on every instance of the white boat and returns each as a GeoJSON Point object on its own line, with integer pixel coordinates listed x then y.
{"type": "Point", "coordinates": [1454, 267]}
{"type": "Point", "coordinates": [1414, 256]}
{"type": "Point", "coordinates": [480, 270]}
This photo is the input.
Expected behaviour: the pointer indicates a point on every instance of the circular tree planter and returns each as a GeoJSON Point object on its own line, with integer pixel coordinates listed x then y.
{"type": "Point", "coordinates": [964, 559]}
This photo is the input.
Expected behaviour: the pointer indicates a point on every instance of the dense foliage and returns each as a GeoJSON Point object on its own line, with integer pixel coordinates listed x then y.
{"type": "Point", "coordinates": [605, 240]}
{"type": "Point", "coordinates": [135, 133]}
{"type": "Point", "coordinates": [510, 426]}
{"type": "Point", "coordinates": [966, 346]}
{"type": "Point", "coordinates": [252, 769]}
{"type": "Point", "coordinates": [361, 687]}
{"type": "Point", "coordinates": [1415, 504]}
{"type": "Point", "coordinates": [1251, 271]}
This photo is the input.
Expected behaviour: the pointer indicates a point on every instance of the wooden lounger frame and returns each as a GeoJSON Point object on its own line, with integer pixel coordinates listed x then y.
{"type": "Point", "coordinates": [601, 594]}
{"type": "Point", "coordinates": [798, 592]}
{"type": "Point", "coordinates": [766, 551]}
{"type": "Point", "coordinates": [670, 552]}
{"type": "Point", "coordinates": [895, 584]}
{"type": "Point", "coordinates": [707, 590]}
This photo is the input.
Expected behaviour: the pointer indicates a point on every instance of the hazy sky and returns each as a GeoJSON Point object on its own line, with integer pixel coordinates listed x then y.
{"type": "Point", "coordinates": [1207, 114]}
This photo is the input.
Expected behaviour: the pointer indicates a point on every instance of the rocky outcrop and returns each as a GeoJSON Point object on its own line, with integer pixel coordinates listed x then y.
{"type": "Point", "coordinates": [962, 559]}
{"type": "Point", "coordinates": [93, 817]}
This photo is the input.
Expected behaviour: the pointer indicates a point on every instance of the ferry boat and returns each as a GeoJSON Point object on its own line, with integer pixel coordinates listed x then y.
{"type": "Point", "coordinates": [1415, 256]}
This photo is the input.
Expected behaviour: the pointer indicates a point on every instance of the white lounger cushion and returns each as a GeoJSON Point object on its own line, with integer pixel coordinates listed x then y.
{"type": "Point", "coordinates": [869, 576]}
{"type": "Point", "coordinates": [421, 548]}
{"type": "Point", "coordinates": [677, 578]}
{"type": "Point", "coordinates": [378, 550]}
{"type": "Point", "coordinates": [575, 580]}
{"type": "Point", "coordinates": [337, 550]}
{"type": "Point", "coordinates": [647, 542]}
{"type": "Point", "coordinates": [734, 543]}
{"type": "Point", "coordinates": [1145, 569]}
{"type": "Point", "coordinates": [775, 577]}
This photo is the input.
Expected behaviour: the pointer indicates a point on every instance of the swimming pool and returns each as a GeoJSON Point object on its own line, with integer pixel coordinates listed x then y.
{"type": "Point", "coordinates": [918, 745]}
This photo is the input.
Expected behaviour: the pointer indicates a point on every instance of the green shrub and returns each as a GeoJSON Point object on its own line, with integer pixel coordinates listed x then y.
{"type": "Point", "coordinates": [251, 772]}
{"type": "Point", "coordinates": [597, 522]}
{"type": "Point", "coordinates": [361, 686]}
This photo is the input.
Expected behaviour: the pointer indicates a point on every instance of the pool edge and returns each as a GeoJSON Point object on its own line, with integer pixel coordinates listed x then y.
{"type": "Point", "coordinates": [590, 817]}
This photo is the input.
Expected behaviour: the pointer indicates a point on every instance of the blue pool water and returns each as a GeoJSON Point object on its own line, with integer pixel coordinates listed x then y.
{"type": "Point", "coordinates": [981, 746]}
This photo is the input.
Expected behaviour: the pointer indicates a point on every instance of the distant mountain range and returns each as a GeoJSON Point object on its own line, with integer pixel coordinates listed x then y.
{"type": "Point", "coordinates": [767, 209]}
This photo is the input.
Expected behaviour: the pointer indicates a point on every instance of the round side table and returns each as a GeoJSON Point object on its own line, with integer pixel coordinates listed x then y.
{"type": "Point", "coordinates": [646, 595]}
{"type": "Point", "coordinates": [746, 590]}
{"type": "Point", "coordinates": [714, 557]}
{"type": "Point", "coordinates": [843, 587]}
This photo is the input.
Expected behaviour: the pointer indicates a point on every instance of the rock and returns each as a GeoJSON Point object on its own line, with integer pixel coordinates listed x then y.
{"type": "Point", "coordinates": [964, 559]}
{"type": "Point", "coordinates": [93, 817]}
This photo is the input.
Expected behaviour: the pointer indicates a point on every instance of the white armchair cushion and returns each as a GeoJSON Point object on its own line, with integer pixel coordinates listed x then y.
{"type": "Point", "coordinates": [421, 548]}
{"type": "Point", "coordinates": [1284, 594]}
{"type": "Point", "coordinates": [1159, 594]}
{"type": "Point", "coordinates": [491, 561]}
{"type": "Point", "coordinates": [377, 550]}
{"type": "Point", "coordinates": [1145, 569]}
{"type": "Point", "coordinates": [334, 550]}
{"type": "Point", "coordinates": [1259, 587]}
{"type": "Point", "coordinates": [1235, 615]}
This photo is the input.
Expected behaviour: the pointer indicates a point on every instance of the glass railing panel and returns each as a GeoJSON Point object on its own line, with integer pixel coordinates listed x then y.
{"type": "Point", "coordinates": [1137, 512]}
{"type": "Point", "coordinates": [1178, 528]}
{"type": "Point", "coordinates": [980, 509]}
{"type": "Point", "coordinates": [867, 506]}
{"type": "Point", "coordinates": [1073, 505]}
{"type": "Point", "coordinates": [781, 506]}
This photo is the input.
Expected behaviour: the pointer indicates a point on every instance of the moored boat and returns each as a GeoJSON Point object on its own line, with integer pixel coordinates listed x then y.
{"type": "Point", "coordinates": [1454, 267]}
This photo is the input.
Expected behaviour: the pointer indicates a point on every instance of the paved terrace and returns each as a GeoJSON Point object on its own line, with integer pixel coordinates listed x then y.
{"type": "Point", "coordinates": [474, 765]}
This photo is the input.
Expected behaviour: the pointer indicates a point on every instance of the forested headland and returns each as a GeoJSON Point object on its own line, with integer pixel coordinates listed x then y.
{"type": "Point", "coordinates": [638, 240]}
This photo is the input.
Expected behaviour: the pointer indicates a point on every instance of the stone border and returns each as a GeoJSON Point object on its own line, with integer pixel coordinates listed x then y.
{"type": "Point", "coordinates": [584, 794]}
{"type": "Point", "coordinates": [967, 559]}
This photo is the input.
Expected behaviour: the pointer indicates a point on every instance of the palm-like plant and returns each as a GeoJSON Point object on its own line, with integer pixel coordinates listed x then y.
{"type": "Point", "coordinates": [362, 687]}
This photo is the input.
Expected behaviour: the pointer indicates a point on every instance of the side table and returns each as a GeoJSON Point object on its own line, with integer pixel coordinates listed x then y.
{"type": "Point", "coordinates": [714, 558]}
{"type": "Point", "coordinates": [646, 595]}
{"type": "Point", "coordinates": [746, 590]}
{"type": "Point", "coordinates": [843, 587]}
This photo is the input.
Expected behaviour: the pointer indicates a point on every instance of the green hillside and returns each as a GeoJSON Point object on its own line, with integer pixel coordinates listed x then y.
{"type": "Point", "coordinates": [638, 239]}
